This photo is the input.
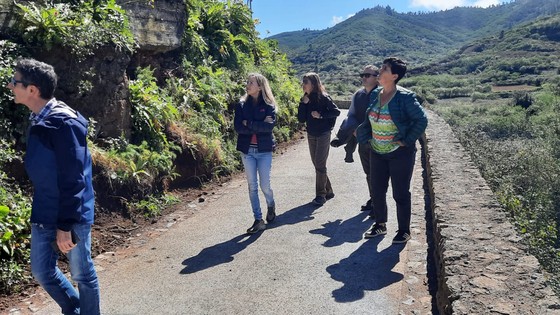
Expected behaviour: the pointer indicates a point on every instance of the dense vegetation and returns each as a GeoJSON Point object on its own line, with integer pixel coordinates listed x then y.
{"type": "Point", "coordinates": [220, 46]}
{"type": "Point", "coordinates": [339, 52]}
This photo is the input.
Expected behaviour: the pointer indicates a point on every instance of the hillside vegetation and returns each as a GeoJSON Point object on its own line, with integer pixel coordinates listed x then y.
{"type": "Point", "coordinates": [338, 53]}
{"type": "Point", "coordinates": [524, 57]}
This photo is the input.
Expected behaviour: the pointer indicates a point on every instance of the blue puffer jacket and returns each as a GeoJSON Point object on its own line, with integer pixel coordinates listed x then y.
{"type": "Point", "coordinates": [406, 113]}
{"type": "Point", "coordinates": [254, 115]}
{"type": "Point", "coordinates": [58, 163]}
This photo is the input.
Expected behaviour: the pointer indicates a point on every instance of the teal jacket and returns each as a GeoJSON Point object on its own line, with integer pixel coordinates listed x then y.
{"type": "Point", "coordinates": [406, 113]}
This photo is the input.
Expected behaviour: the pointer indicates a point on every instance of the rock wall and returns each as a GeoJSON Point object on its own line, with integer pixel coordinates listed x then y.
{"type": "Point", "coordinates": [483, 267]}
{"type": "Point", "coordinates": [98, 86]}
{"type": "Point", "coordinates": [157, 27]}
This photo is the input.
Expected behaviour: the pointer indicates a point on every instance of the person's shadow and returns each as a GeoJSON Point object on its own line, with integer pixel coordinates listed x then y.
{"type": "Point", "coordinates": [340, 232]}
{"type": "Point", "coordinates": [365, 269]}
{"type": "Point", "coordinates": [218, 254]}
{"type": "Point", "coordinates": [224, 252]}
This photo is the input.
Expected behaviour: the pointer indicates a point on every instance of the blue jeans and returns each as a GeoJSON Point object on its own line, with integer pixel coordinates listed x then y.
{"type": "Point", "coordinates": [46, 272]}
{"type": "Point", "coordinates": [261, 163]}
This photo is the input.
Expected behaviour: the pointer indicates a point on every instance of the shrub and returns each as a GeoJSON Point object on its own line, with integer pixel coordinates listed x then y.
{"type": "Point", "coordinates": [15, 211]}
{"type": "Point", "coordinates": [82, 26]}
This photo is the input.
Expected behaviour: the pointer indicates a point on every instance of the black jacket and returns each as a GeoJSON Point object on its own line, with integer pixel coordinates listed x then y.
{"type": "Point", "coordinates": [326, 107]}
{"type": "Point", "coordinates": [255, 115]}
{"type": "Point", "coordinates": [356, 114]}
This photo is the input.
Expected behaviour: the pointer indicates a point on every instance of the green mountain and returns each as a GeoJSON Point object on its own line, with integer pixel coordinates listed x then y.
{"type": "Point", "coordinates": [339, 52]}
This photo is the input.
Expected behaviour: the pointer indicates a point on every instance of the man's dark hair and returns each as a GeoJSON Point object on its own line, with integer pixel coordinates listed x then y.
{"type": "Point", "coordinates": [40, 74]}
{"type": "Point", "coordinates": [398, 67]}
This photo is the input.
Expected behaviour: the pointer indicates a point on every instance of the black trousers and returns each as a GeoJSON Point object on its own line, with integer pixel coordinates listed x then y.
{"type": "Point", "coordinates": [398, 167]}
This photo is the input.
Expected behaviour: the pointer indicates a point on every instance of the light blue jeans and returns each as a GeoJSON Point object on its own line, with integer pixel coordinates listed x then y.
{"type": "Point", "coordinates": [44, 267]}
{"type": "Point", "coordinates": [261, 163]}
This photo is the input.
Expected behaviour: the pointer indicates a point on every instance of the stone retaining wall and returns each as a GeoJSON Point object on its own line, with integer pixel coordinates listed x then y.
{"type": "Point", "coordinates": [483, 267]}
{"type": "Point", "coordinates": [342, 104]}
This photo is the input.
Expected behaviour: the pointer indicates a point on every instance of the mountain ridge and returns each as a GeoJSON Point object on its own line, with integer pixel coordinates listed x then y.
{"type": "Point", "coordinates": [371, 35]}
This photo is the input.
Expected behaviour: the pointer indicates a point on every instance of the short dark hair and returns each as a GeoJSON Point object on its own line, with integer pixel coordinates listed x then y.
{"type": "Point", "coordinates": [40, 74]}
{"type": "Point", "coordinates": [398, 67]}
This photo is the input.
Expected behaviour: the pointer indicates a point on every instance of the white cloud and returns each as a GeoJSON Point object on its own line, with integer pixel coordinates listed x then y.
{"type": "Point", "coordinates": [486, 3]}
{"type": "Point", "coordinates": [437, 5]}
{"type": "Point", "coordinates": [337, 19]}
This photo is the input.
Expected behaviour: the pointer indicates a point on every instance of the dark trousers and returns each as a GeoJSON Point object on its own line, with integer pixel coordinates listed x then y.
{"type": "Point", "coordinates": [350, 146]}
{"type": "Point", "coordinates": [365, 152]}
{"type": "Point", "coordinates": [396, 166]}
{"type": "Point", "coordinates": [319, 150]}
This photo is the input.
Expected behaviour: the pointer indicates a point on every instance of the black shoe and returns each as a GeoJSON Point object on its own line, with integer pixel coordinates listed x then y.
{"type": "Point", "coordinates": [319, 200]}
{"type": "Point", "coordinates": [329, 196]}
{"type": "Point", "coordinates": [349, 158]}
{"type": "Point", "coordinates": [271, 214]}
{"type": "Point", "coordinates": [401, 237]}
{"type": "Point", "coordinates": [258, 225]}
{"type": "Point", "coordinates": [368, 206]}
{"type": "Point", "coordinates": [376, 230]}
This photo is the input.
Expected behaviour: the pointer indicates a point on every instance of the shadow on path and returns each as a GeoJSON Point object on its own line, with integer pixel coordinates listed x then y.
{"type": "Point", "coordinates": [223, 253]}
{"type": "Point", "coordinates": [365, 269]}
{"type": "Point", "coordinates": [340, 232]}
{"type": "Point", "coordinates": [293, 216]}
{"type": "Point", "coordinates": [218, 254]}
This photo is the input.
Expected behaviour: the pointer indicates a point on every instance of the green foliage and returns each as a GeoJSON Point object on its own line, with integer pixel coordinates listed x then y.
{"type": "Point", "coordinates": [220, 48]}
{"type": "Point", "coordinates": [15, 211]}
{"type": "Point", "coordinates": [13, 117]}
{"type": "Point", "coordinates": [82, 26]}
{"type": "Point", "coordinates": [446, 86]}
{"type": "Point", "coordinates": [517, 149]}
{"type": "Point", "coordinates": [13, 276]}
{"type": "Point", "coordinates": [152, 206]}
{"type": "Point", "coordinates": [222, 29]}
{"type": "Point", "coordinates": [522, 99]}
{"type": "Point", "coordinates": [139, 166]}
{"type": "Point", "coordinates": [152, 110]}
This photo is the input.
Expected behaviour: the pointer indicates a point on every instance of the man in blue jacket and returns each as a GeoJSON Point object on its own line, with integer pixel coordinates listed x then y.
{"type": "Point", "coordinates": [58, 163]}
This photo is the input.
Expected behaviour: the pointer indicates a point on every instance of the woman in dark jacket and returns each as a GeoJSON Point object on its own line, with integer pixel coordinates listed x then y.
{"type": "Point", "coordinates": [255, 117]}
{"type": "Point", "coordinates": [393, 123]}
{"type": "Point", "coordinates": [319, 112]}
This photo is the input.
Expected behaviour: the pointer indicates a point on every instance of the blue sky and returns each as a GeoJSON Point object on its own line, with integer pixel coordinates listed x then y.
{"type": "Point", "coordinates": [277, 16]}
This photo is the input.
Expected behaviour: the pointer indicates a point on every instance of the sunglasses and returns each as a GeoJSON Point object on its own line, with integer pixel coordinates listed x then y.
{"type": "Point", "coordinates": [367, 75]}
{"type": "Point", "coordinates": [304, 81]}
{"type": "Point", "coordinates": [13, 81]}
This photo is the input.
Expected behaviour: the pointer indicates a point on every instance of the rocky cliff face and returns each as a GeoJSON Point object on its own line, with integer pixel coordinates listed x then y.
{"type": "Point", "coordinates": [159, 27]}
{"type": "Point", "coordinates": [98, 86]}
